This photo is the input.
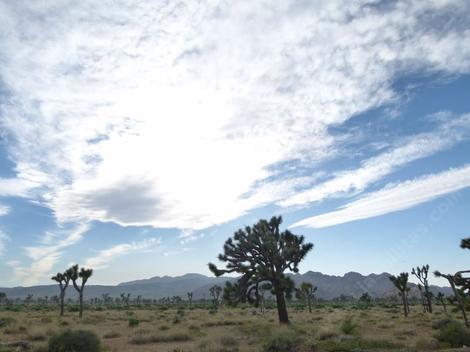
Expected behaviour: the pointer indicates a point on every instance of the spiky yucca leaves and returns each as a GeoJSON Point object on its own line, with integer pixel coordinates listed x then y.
{"type": "Point", "coordinates": [262, 253]}
{"type": "Point", "coordinates": [401, 283]}
{"type": "Point", "coordinates": [63, 279]}
{"type": "Point", "coordinates": [465, 243]}
{"type": "Point", "coordinates": [421, 274]}
{"type": "Point", "coordinates": [84, 275]}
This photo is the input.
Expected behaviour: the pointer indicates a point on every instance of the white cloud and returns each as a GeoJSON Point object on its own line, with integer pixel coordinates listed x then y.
{"type": "Point", "coordinates": [394, 198]}
{"type": "Point", "coordinates": [15, 187]}
{"type": "Point", "coordinates": [47, 254]}
{"type": "Point", "coordinates": [3, 238]}
{"type": "Point", "coordinates": [107, 255]}
{"type": "Point", "coordinates": [168, 114]}
{"type": "Point", "coordinates": [372, 170]}
{"type": "Point", "coordinates": [4, 210]}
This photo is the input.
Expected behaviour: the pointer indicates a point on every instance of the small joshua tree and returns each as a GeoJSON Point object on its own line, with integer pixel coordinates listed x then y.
{"type": "Point", "coordinates": [441, 298]}
{"type": "Point", "coordinates": [125, 298]}
{"type": "Point", "coordinates": [401, 283]}
{"type": "Point", "coordinates": [261, 254]}
{"type": "Point", "coordinates": [3, 297]}
{"type": "Point", "coordinates": [63, 279]}
{"type": "Point", "coordinates": [306, 292]}
{"type": "Point", "coordinates": [84, 275]}
{"type": "Point", "coordinates": [215, 292]}
{"type": "Point", "coordinates": [421, 274]}
{"type": "Point", "coordinates": [190, 298]}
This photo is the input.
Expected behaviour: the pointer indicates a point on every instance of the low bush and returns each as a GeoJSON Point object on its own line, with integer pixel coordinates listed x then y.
{"type": "Point", "coordinates": [454, 334]}
{"type": "Point", "coordinates": [74, 341]}
{"type": "Point", "coordinates": [4, 322]}
{"type": "Point", "coordinates": [283, 343]}
{"type": "Point", "coordinates": [143, 339]}
{"type": "Point", "coordinates": [348, 326]}
{"type": "Point", "coordinates": [133, 322]}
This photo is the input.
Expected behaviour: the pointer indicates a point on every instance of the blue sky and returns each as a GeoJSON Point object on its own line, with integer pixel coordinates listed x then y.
{"type": "Point", "coordinates": [136, 137]}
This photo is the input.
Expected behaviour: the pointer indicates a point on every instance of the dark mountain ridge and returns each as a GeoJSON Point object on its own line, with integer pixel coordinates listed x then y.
{"type": "Point", "coordinates": [329, 286]}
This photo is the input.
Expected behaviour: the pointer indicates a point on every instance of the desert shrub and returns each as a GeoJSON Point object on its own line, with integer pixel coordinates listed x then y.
{"type": "Point", "coordinates": [454, 334]}
{"type": "Point", "coordinates": [348, 326]}
{"type": "Point", "coordinates": [4, 322]}
{"type": "Point", "coordinates": [143, 339]}
{"type": "Point", "coordinates": [133, 322]}
{"type": "Point", "coordinates": [73, 308]}
{"type": "Point", "coordinates": [441, 323]}
{"type": "Point", "coordinates": [74, 341]}
{"type": "Point", "coordinates": [356, 344]}
{"type": "Point", "coordinates": [37, 336]}
{"type": "Point", "coordinates": [282, 343]}
{"type": "Point", "coordinates": [427, 345]}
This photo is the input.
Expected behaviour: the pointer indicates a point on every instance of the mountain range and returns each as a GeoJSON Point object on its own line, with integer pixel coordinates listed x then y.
{"type": "Point", "coordinates": [329, 286]}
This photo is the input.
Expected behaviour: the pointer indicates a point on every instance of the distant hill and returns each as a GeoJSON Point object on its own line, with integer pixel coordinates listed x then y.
{"type": "Point", "coordinates": [329, 286]}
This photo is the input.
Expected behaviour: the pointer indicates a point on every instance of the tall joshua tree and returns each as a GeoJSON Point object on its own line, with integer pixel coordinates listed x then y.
{"type": "Point", "coordinates": [262, 253]}
{"type": "Point", "coordinates": [401, 283]}
{"type": "Point", "coordinates": [84, 275]}
{"type": "Point", "coordinates": [306, 292]}
{"type": "Point", "coordinates": [63, 279]}
{"type": "Point", "coordinates": [421, 274]}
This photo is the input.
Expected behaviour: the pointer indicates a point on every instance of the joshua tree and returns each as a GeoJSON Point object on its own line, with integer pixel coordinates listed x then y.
{"type": "Point", "coordinates": [441, 298]}
{"type": "Point", "coordinates": [262, 253]}
{"type": "Point", "coordinates": [63, 279]}
{"type": "Point", "coordinates": [306, 292]}
{"type": "Point", "coordinates": [125, 299]}
{"type": "Point", "coordinates": [401, 283]}
{"type": "Point", "coordinates": [215, 292]}
{"type": "Point", "coordinates": [365, 298]}
{"type": "Point", "coordinates": [190, 298]}
{"type": "Point", "coordinates": [422, 275]}
{"type": "Point", "coordinates": [451, 279]}
{"type": "Point", "coordinates": [84, 275]}
{"type": "Point", "coordinates": [28, 299]}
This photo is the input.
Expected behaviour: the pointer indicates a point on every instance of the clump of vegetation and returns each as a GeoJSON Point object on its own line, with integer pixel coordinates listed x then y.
{"type": "Point", "coordinates": [133, 322]}
{"type": "Point", "coordinates": [356, 344]}
{"type": "Point", "coordinates": [427, 345]}
{"type": "Point", "coordinates": [74, 341]}
{"type": "Point", "coordinates": [348, 326]}
{"type": "Point", "coordinates": [4, 322]}
{"type": "Point", "coordinates": [283, 343]}
{"type": "Point", "coordinates": [111, 335]}
{"type": "Point", "coordinates": [454, 334]}
{"type": "Point", "coordinates": [143, 339]}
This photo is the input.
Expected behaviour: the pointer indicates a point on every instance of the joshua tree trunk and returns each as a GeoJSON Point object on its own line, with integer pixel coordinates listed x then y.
{"type": "Point", "coordinates": [281, 307]}
{"type": "Point", "coordinates": [405, 304]}
{"type": "Point", "coordinates": [309, 301]}
{"type": "Point", "coordinates": [81, 304]}
{"type": "Point", "coordinates": [62, 299]}
{"type": "Point", "coordinates": [459, 300]}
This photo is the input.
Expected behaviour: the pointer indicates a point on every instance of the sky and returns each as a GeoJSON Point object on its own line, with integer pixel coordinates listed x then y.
{"type": "Point", "coordinates": [137, 136]}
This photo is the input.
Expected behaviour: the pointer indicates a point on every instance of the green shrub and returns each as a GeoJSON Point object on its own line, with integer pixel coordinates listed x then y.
{"type": "Point", "coordinates": [454, 334]}
{"type": "Point", "coordinates": [283, 343]}
{"type": "Point", "coordinates": [7, 322]}
{"type": "Point", "coordinates": [74, 341]}
{"type": "Point", "coordinates": [348, 326]}
{"type": "Point", "coordinates": [133, 322]}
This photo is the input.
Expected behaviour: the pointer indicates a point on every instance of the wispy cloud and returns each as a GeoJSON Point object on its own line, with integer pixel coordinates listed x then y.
{"type": "Point", "coordinates": [394, 198]}
{"type": "Point", "coordinates": [4, 210]}
{"type": "Point", "coordinates": [446, 135]}
{"type": "Point", "coordinates": [47, 254]}
{"type": "Point", "coordinates": [143, 119]}
{"type": "Point", "coordinates": [104, 257]}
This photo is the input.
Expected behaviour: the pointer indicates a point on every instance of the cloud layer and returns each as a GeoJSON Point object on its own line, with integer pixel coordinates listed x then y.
{"type": "Point", "coordinates": [394, 198]}
{"type": "Point", "coordinates": [183, 114]}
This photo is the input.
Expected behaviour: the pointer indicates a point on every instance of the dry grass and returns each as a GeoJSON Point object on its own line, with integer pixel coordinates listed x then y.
{"type": "Point", "coordinates": [230, 330]}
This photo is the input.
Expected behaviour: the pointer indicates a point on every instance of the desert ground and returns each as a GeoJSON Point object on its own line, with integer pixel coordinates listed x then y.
{"type": "Point", "coordinates": [326, 328]}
